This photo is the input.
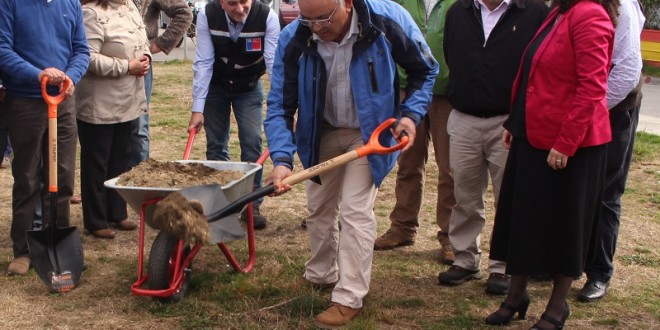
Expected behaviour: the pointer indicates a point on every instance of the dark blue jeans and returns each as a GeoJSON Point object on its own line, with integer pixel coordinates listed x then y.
{"type": "Point", "coordinates": [140, 139]}
{"type": "Point", "coordinates": [247, 108]}
{"type": "Point", "coordinates": [600, 263]}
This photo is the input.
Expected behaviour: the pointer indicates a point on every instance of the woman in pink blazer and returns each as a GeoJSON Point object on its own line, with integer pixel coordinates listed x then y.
{"type": "Point", "coordinates": [556, 133]}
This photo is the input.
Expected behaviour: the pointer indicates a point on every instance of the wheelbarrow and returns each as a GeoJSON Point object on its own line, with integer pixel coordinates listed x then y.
{"type": "Point", "coordinates": [171, 258]}
{"type": "Point", "coordinates": [169, 267]}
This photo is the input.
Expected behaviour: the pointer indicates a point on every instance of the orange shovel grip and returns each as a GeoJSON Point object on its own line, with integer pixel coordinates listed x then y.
{"type": "Point", "coordinates": [374, 146]}
{"type": "Point", "coordinates": [53, 100]}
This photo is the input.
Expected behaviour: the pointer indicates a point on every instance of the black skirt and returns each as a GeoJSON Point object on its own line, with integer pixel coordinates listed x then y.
{"type": "Point", "coordinates": [546, 218]}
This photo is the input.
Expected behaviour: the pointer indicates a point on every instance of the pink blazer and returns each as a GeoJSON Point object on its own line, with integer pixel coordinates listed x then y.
{"type": "Point", "coordinates": [566, 108]}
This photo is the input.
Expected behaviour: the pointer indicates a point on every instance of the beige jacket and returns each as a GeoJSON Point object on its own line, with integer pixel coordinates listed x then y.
{"type": "Point", "coordinates": [107, 94]}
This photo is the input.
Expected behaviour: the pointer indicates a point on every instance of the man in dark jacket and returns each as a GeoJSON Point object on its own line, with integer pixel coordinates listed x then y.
{"type": "Point", "coordinates": [484, 42]}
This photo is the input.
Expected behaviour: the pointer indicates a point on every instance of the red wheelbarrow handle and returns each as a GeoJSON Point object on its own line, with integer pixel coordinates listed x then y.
{"type": "Point", "coordinates": [191, 139]}
{"type": "Point", "coordinates": [372, 147]}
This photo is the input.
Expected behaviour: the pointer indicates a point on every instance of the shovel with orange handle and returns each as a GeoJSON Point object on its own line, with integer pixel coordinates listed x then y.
{"type": "Point", "coordinates": [55, 253]}
{"type": "Point", "coordinates": [217, 207]}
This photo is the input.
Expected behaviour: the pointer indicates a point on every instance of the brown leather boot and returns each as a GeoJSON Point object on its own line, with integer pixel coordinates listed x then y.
{"type": "Point", "coordinates": [126, 225]}
{"type": "Point", "coordinates": [104, 233]}
{"type": "Point", "coordinates": [391, 240]}
{"type": "Point", "coordinates": [335, 316]}
{"type": "Point", "coordinates": [19, 266]}
{"type": "Point", "coordinates": [447, 256]}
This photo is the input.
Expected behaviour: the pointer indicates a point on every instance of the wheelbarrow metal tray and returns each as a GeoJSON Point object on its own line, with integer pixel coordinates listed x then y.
{"type": "Point", "coordinates": [135, 197]}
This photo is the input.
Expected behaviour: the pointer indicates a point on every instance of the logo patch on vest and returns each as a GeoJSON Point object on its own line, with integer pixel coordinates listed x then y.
{"type": "Point", "coordinates": [253, 44]}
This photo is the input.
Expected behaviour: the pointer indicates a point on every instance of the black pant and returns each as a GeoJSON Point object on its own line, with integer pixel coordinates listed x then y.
{"type": "Point", "coordinates": [27, 125]}
{"type": "Point", "coordinates": [104, 151]}
{"type": "Point", "coordinates": [3, 135]}
{"type": "Point", "coordinates": [600, 263]}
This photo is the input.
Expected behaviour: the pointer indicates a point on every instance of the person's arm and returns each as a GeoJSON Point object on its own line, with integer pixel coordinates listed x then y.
{"type": "Point", "coordinates": [626, 55]}
{"type": "Point", "coordinates": [203, 64]}
{"type": "Point", "coordinates": [272, 34]}
{"type": "Point", "coordinates": [181, 17]}
{"type": "Point", "coordinates": [592, 35]}
{"type": "Point", "coordinates": [411, 52]}
{"type": "Point", "coordinates": [282, 103]}
{"type": "Point", "coordinates": [10, 62]}
{"type": "Point", "coordinates": [81, 55]}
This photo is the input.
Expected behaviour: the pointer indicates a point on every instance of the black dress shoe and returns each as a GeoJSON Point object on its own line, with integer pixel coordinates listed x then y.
{"type": "Point", "coordinates": [456, 275]}
{"type": "Point", "coordinates": [498, 284]}
{"type": "Point", "coordinates": [592, 291]}
{"type": "Point", "coordinates": [500, 319]}
{"type": "Point", "coordinates": [556, 324]}
{"type": "Point", "coordinates": [259, 221]}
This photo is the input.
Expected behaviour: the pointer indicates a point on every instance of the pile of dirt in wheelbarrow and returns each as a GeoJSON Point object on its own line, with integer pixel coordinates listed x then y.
{"type": "Point", "coordinates": [156, 174]}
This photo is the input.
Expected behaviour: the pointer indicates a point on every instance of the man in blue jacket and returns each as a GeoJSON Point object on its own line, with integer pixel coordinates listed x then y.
{"type": "Point", "coordinates": [336, 68]}
{"type": "Point", "coordinates": [39, 39]}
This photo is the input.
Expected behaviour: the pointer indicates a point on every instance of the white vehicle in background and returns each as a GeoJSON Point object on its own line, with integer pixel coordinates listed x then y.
{"type": "Point", "coordinates": [164, 20]}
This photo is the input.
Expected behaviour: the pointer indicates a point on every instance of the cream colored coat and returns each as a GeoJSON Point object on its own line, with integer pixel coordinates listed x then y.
{"type": "Point", "coordinates": [107, 94]}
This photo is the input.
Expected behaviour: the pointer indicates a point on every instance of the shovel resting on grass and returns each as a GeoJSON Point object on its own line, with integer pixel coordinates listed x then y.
{"type": "Point", "coordinates": [55, 253]}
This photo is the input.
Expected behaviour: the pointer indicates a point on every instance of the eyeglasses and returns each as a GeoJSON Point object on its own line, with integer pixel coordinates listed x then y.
{"type": "Point", "coordinates": [320, 22]}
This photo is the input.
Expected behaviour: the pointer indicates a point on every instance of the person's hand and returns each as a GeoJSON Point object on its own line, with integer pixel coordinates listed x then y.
{"type": "Point", "coordinates": [70, 90]}
{"type": "Point", "coordinates": [55, 76]}
{"type": "Point", "coordinates": [196, 121]}
{"type": "Point", "coordinates": [138, 66]}
{"type": "Point", "coordinates": [506, 139]}
{"type": "Point", "coordinates": [557, 160]}
{"type": "Point", "coordinates": [154, 49]}
{"type": "Point", "coordinates": [408, 125]}
{"type": "Point", "coordinates": [276, 176]}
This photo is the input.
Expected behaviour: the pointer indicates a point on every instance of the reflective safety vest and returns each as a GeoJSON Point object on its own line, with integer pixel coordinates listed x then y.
{"type": "Point", "coordinates": [238, 65]}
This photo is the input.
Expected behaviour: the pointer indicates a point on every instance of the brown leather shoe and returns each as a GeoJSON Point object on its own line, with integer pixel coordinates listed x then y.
{"type": "Point", "coordinates": [336, 316]}
{"type": "Point", "coordinates": [104, 233]}
{"type": "Point", "coordinates": [19, 266]}
{"type": "Point", "coordinates": [126, 225]}
{"type": "Point", "coordinates": [391, 240]}
{"type": "Point", "coordinates": [447, 256]}
{"type": "Point", "coordinates": [75, 199]}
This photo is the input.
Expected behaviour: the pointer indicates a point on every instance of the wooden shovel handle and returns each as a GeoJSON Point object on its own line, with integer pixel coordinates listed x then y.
{"type": "Point", "coordinates": [373, 146]}
{"type": "Point", "coordinates": [53, 102]}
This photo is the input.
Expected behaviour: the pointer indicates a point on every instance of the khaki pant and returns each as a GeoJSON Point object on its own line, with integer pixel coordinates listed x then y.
{"type": "Point", "coordinates": [411, 173]}
{"type": "Point", "coordinates": [475, 150]}
{"type": "Point", "coordinates": [345, 196]}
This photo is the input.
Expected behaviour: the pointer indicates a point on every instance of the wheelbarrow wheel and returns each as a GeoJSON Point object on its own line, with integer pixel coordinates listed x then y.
{"type": "Point", "coordinates": [161, 267]}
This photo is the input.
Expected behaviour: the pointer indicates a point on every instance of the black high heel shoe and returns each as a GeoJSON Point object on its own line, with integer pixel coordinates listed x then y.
{"type": "Point", "coordinates": [558, 324]}
{"type": "Point", "coordinates": [521, 309]}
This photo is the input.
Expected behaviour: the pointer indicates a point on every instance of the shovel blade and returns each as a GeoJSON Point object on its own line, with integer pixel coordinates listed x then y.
{"type": "Point", "coordinates": [58, 260]}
